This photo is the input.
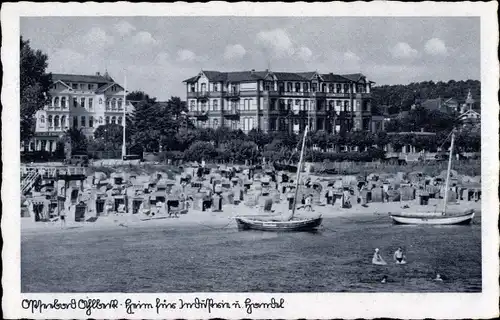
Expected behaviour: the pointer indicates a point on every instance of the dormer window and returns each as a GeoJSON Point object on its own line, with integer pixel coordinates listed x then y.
{"type": "Point", "coordinates": [74, 86]}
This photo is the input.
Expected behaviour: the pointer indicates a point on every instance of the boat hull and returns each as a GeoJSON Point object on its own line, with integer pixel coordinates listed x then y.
{"type": "Point", "coordinates": [270, 225]}
{"type": "Point", "coordinates": [423, 219]}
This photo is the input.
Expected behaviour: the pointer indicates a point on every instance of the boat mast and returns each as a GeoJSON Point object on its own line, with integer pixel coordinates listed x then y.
{"type": "Point", "coordinates": [124, 147]}
{"type": "Point", "coordinates": [299, 167]}
{"type": "Point", "coordinates": [447, 185]}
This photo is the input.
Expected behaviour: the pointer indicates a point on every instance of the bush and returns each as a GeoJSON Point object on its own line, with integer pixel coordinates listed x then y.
{"type": "Point", "coordinates": [200, 150]}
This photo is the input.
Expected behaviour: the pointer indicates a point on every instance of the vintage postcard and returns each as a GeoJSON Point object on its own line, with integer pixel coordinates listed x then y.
{"type": "Point", "coordinates": [250, 160]}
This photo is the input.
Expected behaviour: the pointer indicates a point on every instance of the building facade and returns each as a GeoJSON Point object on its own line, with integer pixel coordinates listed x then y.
{"type": "Point", "coordinates": [281, 101]}
{"type": "Point", "coordinates": [78, 101]}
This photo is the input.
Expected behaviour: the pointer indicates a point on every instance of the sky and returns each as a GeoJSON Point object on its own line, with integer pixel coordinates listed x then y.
{"type": "Point", "coordinates": [156, 54]}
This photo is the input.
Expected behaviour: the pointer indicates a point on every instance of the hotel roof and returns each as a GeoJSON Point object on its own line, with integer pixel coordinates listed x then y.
{"type": "Point", "coordinates": [242, 76]}
{"type": "Point", "coordinates": [81, 78]}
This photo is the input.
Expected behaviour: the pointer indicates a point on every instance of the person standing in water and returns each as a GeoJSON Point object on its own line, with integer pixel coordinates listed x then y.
{"type": "Point", "coordinates": [377, 258]}
{"type": "Point", "coordinates": [399, 257]}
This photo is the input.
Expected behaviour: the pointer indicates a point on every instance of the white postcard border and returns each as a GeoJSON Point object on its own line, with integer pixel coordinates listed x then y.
{"type": "Point", "coordinates": [298, 305]}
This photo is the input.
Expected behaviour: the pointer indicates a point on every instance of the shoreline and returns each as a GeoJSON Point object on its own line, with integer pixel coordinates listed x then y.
{"type": "Point", "coordinates": [221, 220]}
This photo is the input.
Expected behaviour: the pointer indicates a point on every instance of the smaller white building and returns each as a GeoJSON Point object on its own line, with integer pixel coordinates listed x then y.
{"type": "Point", "coordinates": [78, 101]}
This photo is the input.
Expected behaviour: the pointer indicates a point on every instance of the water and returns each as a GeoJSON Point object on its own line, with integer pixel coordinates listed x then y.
{"type": "Point", "coordinates": [200, 259]}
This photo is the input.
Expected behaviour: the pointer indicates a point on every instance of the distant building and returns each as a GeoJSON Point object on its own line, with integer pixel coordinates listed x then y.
{"type": "Point", "coordinates": [468, 115]}
{"type": "Point", "coordinates": [78, 101]}
{"type": "Point", "coordinates": [449, 105]}
{"type": "Point", "coordinates": [281, 101]}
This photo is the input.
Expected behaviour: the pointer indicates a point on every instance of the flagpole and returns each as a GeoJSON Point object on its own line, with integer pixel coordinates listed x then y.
{"type": "Point", "coordinates": [124, 148]}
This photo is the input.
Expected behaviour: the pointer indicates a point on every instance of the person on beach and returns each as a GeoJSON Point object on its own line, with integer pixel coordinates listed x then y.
{"type": "Point", "coordinates": [399, 257]}
{"type": "Point", "coordinates": [438, 278]}
{"type": "Point", "coordinates": [308, 203]}
{"type": "Point", "coordinates": [377, 258]}
{"type": "Point", "coordinates": [62, 217]}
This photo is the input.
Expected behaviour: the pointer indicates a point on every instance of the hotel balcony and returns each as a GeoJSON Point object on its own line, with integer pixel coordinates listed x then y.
{"type": "Point", "coordinates": [232, 94]}
{"type": "Point", "coordinates": [232, 113]}
{"type": "Point", "coordinates": [198, 95]}
{"type": "Point", "coordinates": [198, 114]}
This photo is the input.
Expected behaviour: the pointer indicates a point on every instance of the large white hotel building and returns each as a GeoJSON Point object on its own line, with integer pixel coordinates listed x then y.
{"type": "Point", "coordinates": [78, 101]}
{"type": "Point", "coordinates": [281, 101]}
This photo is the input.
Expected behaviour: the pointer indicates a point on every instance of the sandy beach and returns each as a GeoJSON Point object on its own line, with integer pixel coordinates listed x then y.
{"type": "Point", "coordinates": [225, 218]}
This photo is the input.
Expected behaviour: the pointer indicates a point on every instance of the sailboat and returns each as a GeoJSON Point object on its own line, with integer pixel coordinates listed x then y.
{"type": "Point", "coordinates": [437, 218]}
{"type": "Point", "coordinates": [292, 223]}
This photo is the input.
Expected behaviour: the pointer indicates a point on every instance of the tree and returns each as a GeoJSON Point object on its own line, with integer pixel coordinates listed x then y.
{"type": "Point", "coordinates": [176, 107]}
{"type": "Point", "coordinates": [200, 150]}
{"type": "Point", "coordinates": [78, 140]}
{"type": "Point", "coordinates": [258, 137]}
{"type": "Point", "coordinates": [140, 96]}
{"type": "Point", "coordinates": [156, 124]}
{"type": "Point", "coordinates": [185, 137]}
{"type": "Point", "coordinates": [240, 150]}
{"type": "Point", "coordinates": [35, 84]}
{"type": "Point", "coordinates": [112, 135]}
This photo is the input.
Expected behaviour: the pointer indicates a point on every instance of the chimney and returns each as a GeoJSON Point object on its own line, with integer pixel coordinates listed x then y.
{"type": "Point", "coordinates": [97, 73]}
{"type": "Point", "coordinates": [253, 71]}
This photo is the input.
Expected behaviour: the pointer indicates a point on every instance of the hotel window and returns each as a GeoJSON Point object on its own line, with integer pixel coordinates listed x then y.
{"type": "Point", "coordinates": [107, 120]}
{"type": "Point", "coordinates": [82, 122]}
{"type": "Point", "coordinates": [75, 122]}
{"type": "Point", "coordinates": [56, 102]}
{"type": "Point", "coordinates": [204, 106]}
{"type": "Point", "coordinates": [113, 104]}
{"type": "Point", "coordinates": [44, 144]}
{"type": "Point", "coordinates": [339, 88]}
{"type": "Point", "coordinates": [323, 87]}
{"type": "Point", "coordinates": [63, 121]}
{"type": "Point", "coordinates": [50, 121]}
{"type": "Point", "coordinates": [56, 121]}
{"type": "Point", "coordinates": [216, 123]}
{"type": "Point", "coordinates": [90, 103]}
{"type": "Point", "coordinates": [42, 119]}
{"type": "Point", "coordinates": [63, 102]}
{"type": "Point", "coordinates": [120, 102]}
{"type": "Point", "coordinates": [297, 86]}
{"type": "Point", "coordinates": [74, 86]}
{"type": "Point", "coordinates": [203, 87]}
{"type": "Point", "coordinates": [306, 87]}
{"type": "Point", "coordinates": [289, 87]}
{"type": "Point", "coordinates": [346, 88]}
{"type": "Point", "coordinates": [120, 121]}
{"type": "Point", "coordinates": [346, 105]}
{"type": "Point", "coordinates": [272, 124]}
{"type": "Point", "coordinates": [75, 102]}
{"type": "Point", "coordinates": [113, 120]}
{"type": "Point", "coordinates": [268, 86]}
{"type": "Point", "coordinates": [234, 125]}
{"type": "Point", "coordinates": [100, 100]}
{"type": "Point", "coordinates": [297, 102]}
{"type": "Point", "coordinates": [215, 105]}
{"type": "Point", "coordinates": [90, 86]}
{"type": "Point", "coordinates": [91, 122]}
{"type": "Point", "coordinates": [100, 120]}
{"type": "Point", "coordinates": [192, 106]}
{"type": "Point", "coordinates": [331, 105]}
{"type": "Point", "coordinates": [82, 102]}
{"type": "Point", "coordinates": [330, 87]}
{"type": "Point", "coordinates": [192, 87]}
{"type": "Point", "coordinates": [306, 105]}
{"type": "Point", "coordinates": [314, 87]}
{"type": "Point", "coordinates": [250, 124]}
{"type": "Point", "coordinates": [289, 104]}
